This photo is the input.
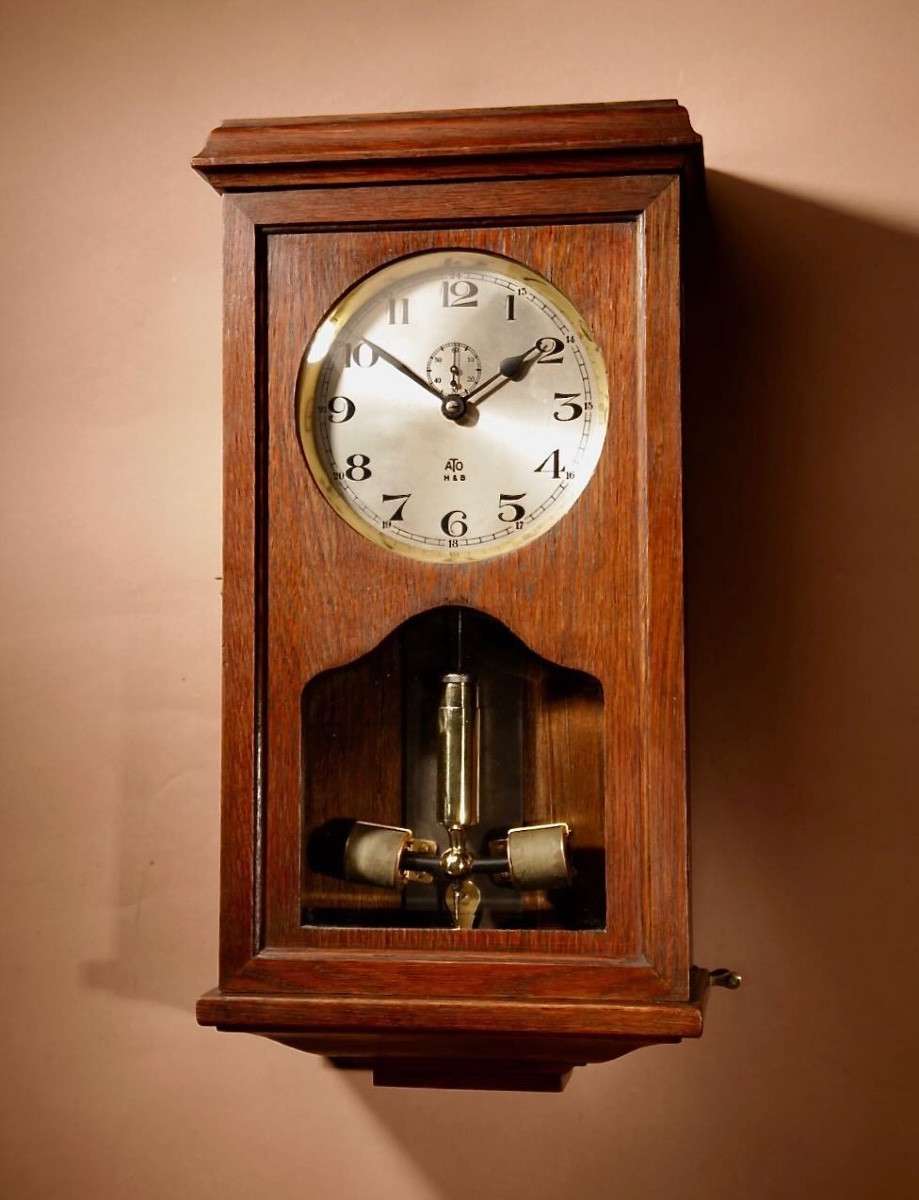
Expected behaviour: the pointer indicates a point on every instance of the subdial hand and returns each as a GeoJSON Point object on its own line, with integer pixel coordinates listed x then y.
{"type": "Point", "coordinates": [514, 368]}
{"type": "Point", "coordinates": [455, 382]}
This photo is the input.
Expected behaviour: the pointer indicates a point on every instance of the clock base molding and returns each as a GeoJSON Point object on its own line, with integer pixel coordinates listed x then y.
{"type": "Point", "coordinates": [467, 1044]}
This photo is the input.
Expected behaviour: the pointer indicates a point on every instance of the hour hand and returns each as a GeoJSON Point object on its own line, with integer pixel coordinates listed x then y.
{"type": "Point", "coordinates": [509, 368]}
{"type": "Point", "coordinates": [403, 367]}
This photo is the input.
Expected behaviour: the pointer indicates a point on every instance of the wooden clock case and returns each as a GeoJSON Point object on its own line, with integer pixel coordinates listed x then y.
{"type": "Point", "coordinates": [599, 198]}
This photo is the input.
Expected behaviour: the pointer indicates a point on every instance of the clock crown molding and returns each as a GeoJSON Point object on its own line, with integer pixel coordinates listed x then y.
{"type": "Point", "coordinates": [648, 135]}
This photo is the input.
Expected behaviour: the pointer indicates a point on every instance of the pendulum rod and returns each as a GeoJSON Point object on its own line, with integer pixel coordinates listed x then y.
{"type": "Point", "coordinates": [458, 786]}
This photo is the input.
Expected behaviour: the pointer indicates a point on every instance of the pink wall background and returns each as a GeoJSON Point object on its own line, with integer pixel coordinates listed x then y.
{"type": "Point", "coordinates": [802, 429]}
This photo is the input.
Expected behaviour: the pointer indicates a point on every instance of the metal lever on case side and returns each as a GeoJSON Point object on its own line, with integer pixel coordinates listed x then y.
{"type": "Point", "coordinates": [722, 977]}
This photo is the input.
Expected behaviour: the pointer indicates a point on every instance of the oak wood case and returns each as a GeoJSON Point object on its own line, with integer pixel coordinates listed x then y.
{"type": "Point", "coordinates": [597, 199]}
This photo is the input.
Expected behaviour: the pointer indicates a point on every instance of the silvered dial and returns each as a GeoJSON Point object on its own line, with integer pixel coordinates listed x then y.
{"type": "Point", "coordinates": [452, 405]}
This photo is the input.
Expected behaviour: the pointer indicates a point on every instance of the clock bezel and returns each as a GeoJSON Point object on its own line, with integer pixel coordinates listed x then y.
{"type": "Point", "coordinates": [361, 295]}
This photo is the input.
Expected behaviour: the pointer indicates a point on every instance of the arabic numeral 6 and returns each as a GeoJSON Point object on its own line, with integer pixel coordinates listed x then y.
{"type": "Point", "coordinates": [454, 524]}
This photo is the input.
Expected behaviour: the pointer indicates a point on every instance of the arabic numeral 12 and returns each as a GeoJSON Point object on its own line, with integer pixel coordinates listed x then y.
{"type": "Point", "coordinates": [460, 293]}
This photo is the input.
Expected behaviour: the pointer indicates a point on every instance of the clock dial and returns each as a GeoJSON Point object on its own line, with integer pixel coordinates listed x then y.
{"type": "Point", "coordinates": [452, 405]}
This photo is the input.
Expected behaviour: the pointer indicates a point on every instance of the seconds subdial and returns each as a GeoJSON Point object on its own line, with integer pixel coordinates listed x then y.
{"type": "Point", "coordinates": [454, 369]}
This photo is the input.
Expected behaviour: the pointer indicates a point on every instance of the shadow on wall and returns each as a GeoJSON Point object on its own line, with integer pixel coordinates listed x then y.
{"type": "Point", "coordinates": [801, 433]}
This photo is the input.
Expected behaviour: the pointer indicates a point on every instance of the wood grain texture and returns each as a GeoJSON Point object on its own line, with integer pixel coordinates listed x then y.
{"type": "Point", "coordinates": [472, 1045]}
{"type": "Point", "coordinates": [480, 1017]}
{"type": "Point", "coordinates": [348, 727]}
{"type": "Point", "coordinates": [600, 593]}
{"type": "Point", "coordinates": [241, 809]}
{"type": "Point", "coordinates": [288, 152]}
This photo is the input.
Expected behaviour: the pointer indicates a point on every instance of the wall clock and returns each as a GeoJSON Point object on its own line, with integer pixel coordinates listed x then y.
{"type": "Point", "coordinates": [454, 835]}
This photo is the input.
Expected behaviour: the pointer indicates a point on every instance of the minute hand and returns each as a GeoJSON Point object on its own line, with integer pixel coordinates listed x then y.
{"type": "Point", "coordinates": [406, 370]}
{"type": "Point", "coordinates": [510, 368]}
